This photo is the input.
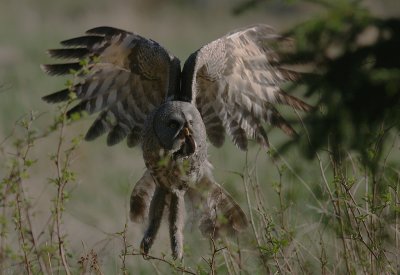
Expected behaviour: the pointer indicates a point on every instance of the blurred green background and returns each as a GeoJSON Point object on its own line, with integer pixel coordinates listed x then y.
{"type": "Point", "coordinates": [98, 207]}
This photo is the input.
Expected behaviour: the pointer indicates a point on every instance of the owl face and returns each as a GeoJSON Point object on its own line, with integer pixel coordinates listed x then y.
{"type": "Point", "coordinates": [179, 128]}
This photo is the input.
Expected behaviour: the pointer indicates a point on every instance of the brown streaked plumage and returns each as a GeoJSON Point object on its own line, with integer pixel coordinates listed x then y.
{"type": "Point", "coordinates": [230, 85]}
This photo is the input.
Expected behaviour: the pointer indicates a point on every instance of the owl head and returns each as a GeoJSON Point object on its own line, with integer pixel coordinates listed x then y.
{"type": "Point", "coordinates": [179, 128]}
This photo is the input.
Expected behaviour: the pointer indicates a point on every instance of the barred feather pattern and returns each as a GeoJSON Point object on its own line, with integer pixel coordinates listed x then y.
{"type": "Point", "coordinates": [239, 78]}
{"type": "Point", "coordinates": [218, 213]}
{"type": "Point", "coordinates": [234, 82]}
{"type": "Point", "coordinates": [126, 77]}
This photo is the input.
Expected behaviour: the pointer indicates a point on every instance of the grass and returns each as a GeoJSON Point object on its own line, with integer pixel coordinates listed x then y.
{"type": "Point", "coordinates": [64, 203]}
{"type": "Point", "coordinates": [338, 219]}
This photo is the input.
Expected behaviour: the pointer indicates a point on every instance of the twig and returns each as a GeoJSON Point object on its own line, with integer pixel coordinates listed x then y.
{"type": "Point", "coordinates": [60, 193]}
{"type": "Point", "coordinates": [149, 257]}
{"type": "Point", "coordinates": [215, 251]}
{"type": "Point", "coordinates": [22, 235]}
{"type": "Point", "coordinates": [124, 249]}
{"type": "Point", "coordinates": [252, 220]}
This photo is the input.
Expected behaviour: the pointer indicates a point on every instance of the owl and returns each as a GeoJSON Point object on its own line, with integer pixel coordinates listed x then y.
{"type": "Point", "coordinates": [227, 87]}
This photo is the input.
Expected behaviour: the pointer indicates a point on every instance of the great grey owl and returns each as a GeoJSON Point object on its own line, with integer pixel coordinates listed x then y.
{"type": "Point", "coordinates": [227, 86]}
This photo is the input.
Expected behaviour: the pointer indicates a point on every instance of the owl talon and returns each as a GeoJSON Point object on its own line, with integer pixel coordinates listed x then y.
{"type": "Point", "coordinates": [145, 247]}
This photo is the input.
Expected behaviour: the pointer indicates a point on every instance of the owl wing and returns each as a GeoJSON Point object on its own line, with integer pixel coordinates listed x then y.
{"type": "Point", "coordinates": [117, 73]}
{"type": "Point", "coordinates": [237, 81]}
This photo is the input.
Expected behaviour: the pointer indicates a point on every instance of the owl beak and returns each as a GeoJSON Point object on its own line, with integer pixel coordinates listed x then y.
{"type": "Point", "coordinates": [189, 146]}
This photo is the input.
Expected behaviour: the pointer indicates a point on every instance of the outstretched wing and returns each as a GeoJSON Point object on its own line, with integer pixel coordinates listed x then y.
{"type": "Point", "coordinates": [236, 81]}
{"type": "Point", "coordinates": [119, 73]}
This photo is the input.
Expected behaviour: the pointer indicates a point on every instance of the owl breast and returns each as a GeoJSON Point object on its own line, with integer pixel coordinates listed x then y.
{"type": "Point", "coordinates": [176, 169]}
{"type": "Point", "coordinates": [171, 173]}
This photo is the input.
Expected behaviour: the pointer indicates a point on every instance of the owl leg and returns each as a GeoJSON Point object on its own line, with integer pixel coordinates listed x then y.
{"type": "Point", "coordinates": [155, 217]}
{"type": "Point", "coordinates": [141, 197]}
{"type": "Point", "coordinates": [176, 222]}
{"type": "Point", "coordinates": [221, 214]}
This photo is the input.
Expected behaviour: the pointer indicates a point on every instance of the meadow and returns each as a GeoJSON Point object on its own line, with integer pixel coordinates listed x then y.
{"type": "Point", "coordinates": [64, 202]}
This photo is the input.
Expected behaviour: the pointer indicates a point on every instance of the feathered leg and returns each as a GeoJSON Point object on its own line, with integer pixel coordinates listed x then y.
{"type": "Point", "coordinates": [141, 197]}
{"type": "Point", "coordinates": [155, 217]}
{"type": "Point", "coordinates": [220, 213]}
{"type": "Point", "coordinates": [176, 222]}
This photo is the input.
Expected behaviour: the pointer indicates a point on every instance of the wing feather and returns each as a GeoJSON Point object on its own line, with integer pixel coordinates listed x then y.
{"type": "Point", "coordinates": [88, 41]}
{"type": "Point", "coordinates": [238, 79]}
{"type": "Point", "coordinates": [119, 73]}
{"type": "Point", "coordinates": [59, 96]}
{"type": "Point", "coordinates": [61, 69]}
{"type": "Point", "coordinates": [71, 53]}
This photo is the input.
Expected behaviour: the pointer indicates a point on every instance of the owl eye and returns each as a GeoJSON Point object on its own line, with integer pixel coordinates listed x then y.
{"type": "Point", "coordinates": [173, 124]}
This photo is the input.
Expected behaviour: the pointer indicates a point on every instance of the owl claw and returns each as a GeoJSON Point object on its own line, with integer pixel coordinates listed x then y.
{"type": "Point", "coordinates": [145, 247]}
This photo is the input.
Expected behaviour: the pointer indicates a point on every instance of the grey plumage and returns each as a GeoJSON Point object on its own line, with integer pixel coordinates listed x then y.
{"type": "Point", "coordinates": [228, 86]}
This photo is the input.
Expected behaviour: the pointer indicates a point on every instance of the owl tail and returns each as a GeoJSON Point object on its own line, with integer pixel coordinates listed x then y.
{"type": "Point", "coordinates": [220, 214]}
{"type": "Point", "coordinates": [141, 197]}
